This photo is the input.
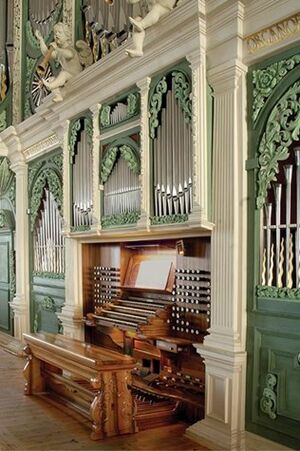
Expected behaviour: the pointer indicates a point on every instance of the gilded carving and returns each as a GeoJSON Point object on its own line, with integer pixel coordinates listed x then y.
{"type": "Point", "coordinates": [276, 33]}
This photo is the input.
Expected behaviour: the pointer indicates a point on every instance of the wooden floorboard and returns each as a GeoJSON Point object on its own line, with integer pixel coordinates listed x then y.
{"type": "Point", "coordinates": [31, 423]}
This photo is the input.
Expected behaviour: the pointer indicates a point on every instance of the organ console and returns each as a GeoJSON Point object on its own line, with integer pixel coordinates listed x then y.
{"type": "Point", "coordinates": [151, 300]}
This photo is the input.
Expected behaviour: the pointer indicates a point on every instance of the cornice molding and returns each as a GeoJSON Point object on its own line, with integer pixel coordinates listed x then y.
{"type": "Point", "coordinates": [273, 34]}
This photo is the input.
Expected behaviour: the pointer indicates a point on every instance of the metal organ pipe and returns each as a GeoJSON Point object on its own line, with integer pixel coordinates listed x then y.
{"type": "Point", "coordinates": [48, 238]}
{"type": "Point", "coordinates": [82, 183]}
{"type": "Point", "coordinates": [172, 154]}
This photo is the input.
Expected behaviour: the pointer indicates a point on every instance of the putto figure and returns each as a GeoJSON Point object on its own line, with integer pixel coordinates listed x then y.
{"type": "Point", "coordinates": [157, 9]}
{"type": "Point", "coordinates": [71, 60]}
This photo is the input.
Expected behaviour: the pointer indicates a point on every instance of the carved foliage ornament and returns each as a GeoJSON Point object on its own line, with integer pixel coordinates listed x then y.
{"type": "Point", "coordinates": [264, 291]}
{"type": "Point", "coordinates": [130, 217]}
{"type": "Point", "coordinates": [110, 156]}
{"type": "Point", "coordinates": [281, 130]}
{"type": "Point", "coordinates": [6, 176]}
{"type": "Point", "coordinates": [75, 128]}
{"type": "Point", "coordinates": [132, 102]}
{"type": "Point", "coordinates": [265, 81]}
{"type": "Point", "coordinates": [268, 401]}
{"type": "Point", "coordinates": [183, 89]}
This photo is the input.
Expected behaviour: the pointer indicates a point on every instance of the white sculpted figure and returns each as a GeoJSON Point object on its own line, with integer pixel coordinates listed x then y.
{"type": "Point", "coordinates": [71, 60]}
{"type": "Point", "coordinates": [157, 9]}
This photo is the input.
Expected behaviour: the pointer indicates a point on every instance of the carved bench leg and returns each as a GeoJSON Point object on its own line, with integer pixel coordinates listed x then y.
{"type": "Point", "coordinates": [97, 412]}
{"type": "Point", "coordinates": [32, 374]}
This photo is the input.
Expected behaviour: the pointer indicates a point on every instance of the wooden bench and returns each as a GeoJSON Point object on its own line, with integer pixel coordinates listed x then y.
{"type": "Point", "coordinates": [91, 380]}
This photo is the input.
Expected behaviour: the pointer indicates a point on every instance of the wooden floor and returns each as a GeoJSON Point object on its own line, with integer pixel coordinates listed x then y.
{"type": "Point", "coordinates": [31, 423]}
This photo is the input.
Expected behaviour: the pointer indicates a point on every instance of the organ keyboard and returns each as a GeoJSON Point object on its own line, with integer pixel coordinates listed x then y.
{"type": "Point", "coordinates": [155, 310]}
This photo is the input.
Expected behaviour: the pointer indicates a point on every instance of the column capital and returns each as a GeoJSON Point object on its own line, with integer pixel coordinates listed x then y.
{"type": "Point", "coordinates": [144, 85]}
{"type": "Point", "coordinates": [94, 109]}
{"type": "Point", "coordinates": [197, 58]}
{"type": "Point", "coordinates": [226, 76]}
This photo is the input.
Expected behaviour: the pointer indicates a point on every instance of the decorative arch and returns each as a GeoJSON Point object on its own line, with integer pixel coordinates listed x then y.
{"type": "Point", "coordinates": [282, 128]}
{"type": "Point", "coordinates": [183, 90]}
{"type": "Point", "coordinates": [128, 150]}
{"type": "Point", "coordinates": [52, 178]}
{"type": "Point", "coordinates": [76, 126]}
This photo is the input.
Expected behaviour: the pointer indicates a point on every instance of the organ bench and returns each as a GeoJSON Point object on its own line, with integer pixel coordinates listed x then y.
{"type": "Point", "coordinates": [90, 379]}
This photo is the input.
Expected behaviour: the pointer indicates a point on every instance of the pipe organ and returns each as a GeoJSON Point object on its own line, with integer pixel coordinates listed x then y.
{"type": "Point", "coordinates": [122, 190]}
{"type": "Point", "coordinates": [107, 24]}
{"type": "Point", "coordinates": [147, 300]}
{"type": "Point", "coordinates": [82, 192]}
{"type": "Point", "coordinates": [42, 14]}
{"type": "Point", "coordinates": [280, 266]}
{"type": "Point", "coordinates": [172, 155]}
{"type": "Point", "coordinates": [48, 241]}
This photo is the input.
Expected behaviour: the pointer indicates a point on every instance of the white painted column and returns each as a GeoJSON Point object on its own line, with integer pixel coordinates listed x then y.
{"type": "Point", "coordinates": [71, 312]}
{"type": "Point", "coordinates": [199, 123]}
{"type": "Point", "coordinates": [21, 302]}
{"type": "Point", "coordinates": [224, 349]}
{"type": "Point", "coordinates": [144, 221]}
{"type": "Point", "coordinates": [96, 225]}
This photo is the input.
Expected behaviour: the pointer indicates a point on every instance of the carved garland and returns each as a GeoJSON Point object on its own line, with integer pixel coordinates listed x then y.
{"type": "Point", "coordinates": [3, 121]}
{"type": "Point", "coordinates": [268, 401]}
{"type": "Point", "coordinates": [263, 291]}
{"type": "Point", "coordinates": [127, 218]}
{"type": "Point", "coordinates": [127, 152]}
{"type": "Point", "coordinates": [6, 176]}
{"type": "Point", "coordinates": [281, 130]}
{"type": "Point", "coordinates": [265, 81]}
{"type": "Point", "coordinates": [74, 130]}
{"type": "Point", "coordinates": [132, 110]}
{"type": "Point", "coordinates": [54, 183]}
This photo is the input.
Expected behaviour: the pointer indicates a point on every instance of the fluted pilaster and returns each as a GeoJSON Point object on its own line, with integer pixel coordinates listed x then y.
{"type": "Point", "coordinates": [199, 123]}
{"type": "Point", "coordinates": [143, 86]}
{"type": "Point", "coordinates": [20, 303]}
{"type": "Point", "coordinates": [96, 192]}
{"type": "Point", "coordinates": [64, 139]}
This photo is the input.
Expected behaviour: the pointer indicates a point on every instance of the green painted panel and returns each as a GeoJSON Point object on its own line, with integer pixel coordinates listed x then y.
{"type": "Point", "coordinates": [47, 300]}
{"type": "Point", "coordinates": [4, 262]}
{"type": "Point", "coordinates": [5, 282]}
{"type": "Point", "coordinates": [4, 308]}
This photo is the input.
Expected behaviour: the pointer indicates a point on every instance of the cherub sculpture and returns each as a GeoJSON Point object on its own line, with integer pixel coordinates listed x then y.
{"type": "Point", "coordinates": [157, 9]}
{"type": "Point", "coordinates": [72, 60]}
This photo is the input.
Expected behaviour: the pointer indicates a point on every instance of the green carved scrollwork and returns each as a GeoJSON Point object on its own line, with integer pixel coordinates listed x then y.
{"type": "Point", "coordinates": [49, 275]}
{"type": "Point", "coordinates": [3, 121]}
{"type": "Point", "coordinates": [110, 156]}
{"type": "Point", "coordinates": [120, 219]}
{"type": "Point", "coordinates": [263, 291]}
{"type": "Point", "coordinates": [75, 127]}
{"type": "Point", "coordinates": [105, 116]}
{"type": "Point", "coordinates": [108, 161]}
{"type": "Point", "coordinates": [31, 39]}
{"type": "Point", "coordinates": [58, 161]}
{"type": "Point", "coordinates": [183, 94]}
{"type": "Point", "coordinates": [49, 176]}
{"type": "Point", "coordinates": [80, 228]}
{"type": "Point", "coordinates": [132, 104]}
{"type": "Point", "coordinates": [33, 170]}
{"type": "Point", "coordinates": [268, 401]}
{"type": "Point", "coordinates": [281, 130]}
{"type": "Point", "coordinates": [265, 80]}
{"type": "Point", "coordinates": [131, 157]}
{"type": "Point", "coordinates": [88, 126]}
{"type": "Point", "coordinates": [3, 222]}
{"type": "Point", "coordinates": [156, 104]}
{"type": "Point", "coordinates": [6, 176]}
{"type": "Point", "coordinates": [172, 219]}
{"type": "Point", "coordinates": [30, 64]}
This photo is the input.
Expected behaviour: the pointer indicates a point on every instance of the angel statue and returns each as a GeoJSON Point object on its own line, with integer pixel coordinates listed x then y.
{"type": "Point", "coordinates": [72, 60]}
{"type": "Point", "coordinates": [157, 9]}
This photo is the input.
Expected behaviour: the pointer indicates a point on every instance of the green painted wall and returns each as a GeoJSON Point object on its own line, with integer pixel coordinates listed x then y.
{"type": "Point", "coordinates": [273, 335]}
